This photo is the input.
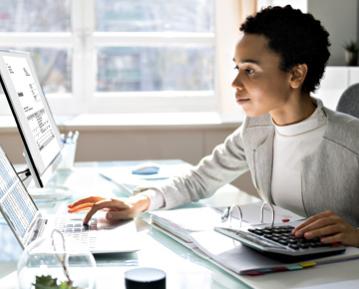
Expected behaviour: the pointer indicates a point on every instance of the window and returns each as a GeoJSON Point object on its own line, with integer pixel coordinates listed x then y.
{"type": "Point", "coordinates": [116, 56]}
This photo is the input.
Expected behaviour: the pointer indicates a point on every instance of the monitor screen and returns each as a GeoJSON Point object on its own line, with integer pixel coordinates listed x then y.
{"type": "Point", "coordinates": [32, 114]}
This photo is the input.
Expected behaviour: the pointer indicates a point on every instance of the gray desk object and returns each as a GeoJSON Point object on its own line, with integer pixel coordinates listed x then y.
{"type": "Point", "coordinates": [349, 101]}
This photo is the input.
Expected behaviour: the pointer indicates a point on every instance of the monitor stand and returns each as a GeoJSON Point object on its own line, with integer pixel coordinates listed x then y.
{"type": "Point", "coordinates": [51, 193]}
{"type": "Point", "coordinates": [35, 183]}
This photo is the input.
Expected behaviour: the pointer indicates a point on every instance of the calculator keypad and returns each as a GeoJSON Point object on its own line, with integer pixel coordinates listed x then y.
{"type": "Point", "coordinates": [283, 235]}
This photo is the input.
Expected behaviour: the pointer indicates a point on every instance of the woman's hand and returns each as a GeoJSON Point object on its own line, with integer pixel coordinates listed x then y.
{"type": "Point", "coordinates": [330, 228]}
{"type": "Point", "coordinates": [118, 209]}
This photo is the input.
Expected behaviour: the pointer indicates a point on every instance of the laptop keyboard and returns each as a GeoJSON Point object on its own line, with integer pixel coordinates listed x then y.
{"type": "Point", "coordinates": [79, 227]}
{"type": "Point", "coordinates": [279, 240]}
{"type": "Point", "coordinates": [80, 232]}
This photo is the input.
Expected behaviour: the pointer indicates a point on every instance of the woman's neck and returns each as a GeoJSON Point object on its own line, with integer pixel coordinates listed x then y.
{"type": "Point", "coordinates": [294, 111]}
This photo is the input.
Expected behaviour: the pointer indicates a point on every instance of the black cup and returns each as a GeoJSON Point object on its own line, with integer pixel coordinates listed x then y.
{"type": "Point", "coordinates": [145, 278]}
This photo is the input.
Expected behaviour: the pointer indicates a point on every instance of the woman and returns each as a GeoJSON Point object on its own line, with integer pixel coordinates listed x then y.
{"type": "Point", "coordinates": [301, 155]}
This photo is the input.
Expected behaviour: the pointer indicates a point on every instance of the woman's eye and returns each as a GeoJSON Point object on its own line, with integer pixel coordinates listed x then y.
{"type": "Point", "coordinates": [249, 71]}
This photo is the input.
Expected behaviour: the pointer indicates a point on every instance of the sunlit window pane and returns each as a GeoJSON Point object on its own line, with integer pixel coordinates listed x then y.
{"type": "Point", "coordinates": [35, 15]}
{"type": "Point", "coordinates": [155, 69]}
{"type": "Point", "coordinates": [53, 68]}
{"type": "Point", "coordinates": [155, 15]}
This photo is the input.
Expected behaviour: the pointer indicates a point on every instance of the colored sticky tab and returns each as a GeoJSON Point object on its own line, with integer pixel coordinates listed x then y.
{"type": "Point", "coordinates": [266, 270]}
{"type": "Point", "coordinates": [280, 269]}
{"type": "Point", "coordinates": [293, 267]}
{"type": "Point", "coordinates": [307, 264]}
{"type": "Point", "coordinates": [253, 273]}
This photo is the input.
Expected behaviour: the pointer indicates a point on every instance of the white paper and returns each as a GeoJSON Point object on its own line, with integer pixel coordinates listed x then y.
{"type": "Point", "coordinates": [230, 253]}
{"type": "Point", "coordinates": [251, 214]}
{"type": "Point", "coordinates": [191, 219]}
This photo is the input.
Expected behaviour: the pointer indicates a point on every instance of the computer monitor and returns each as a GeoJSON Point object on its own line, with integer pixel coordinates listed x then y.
{"type": "Point", "coordinates": [32, 114]}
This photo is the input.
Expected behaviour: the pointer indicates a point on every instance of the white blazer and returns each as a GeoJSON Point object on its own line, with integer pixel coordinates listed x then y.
{"type": "Point", "coordinates": [329, 177]}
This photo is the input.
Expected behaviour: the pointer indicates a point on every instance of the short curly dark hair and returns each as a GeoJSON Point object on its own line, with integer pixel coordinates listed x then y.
{"type": "Point", "coordinates": [297, 37]}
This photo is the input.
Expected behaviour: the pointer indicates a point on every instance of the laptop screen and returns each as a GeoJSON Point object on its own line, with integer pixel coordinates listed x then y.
{"type": "Point", "coordinates": [16, 205]}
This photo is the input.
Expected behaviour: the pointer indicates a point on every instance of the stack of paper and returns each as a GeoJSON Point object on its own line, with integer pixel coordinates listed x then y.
{"type": "Point", "coordinates": [183, 222]}
{"type": "Point", "coordinates": [193, 227]}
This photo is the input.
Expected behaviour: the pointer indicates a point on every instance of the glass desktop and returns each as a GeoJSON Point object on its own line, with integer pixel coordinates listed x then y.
{"type": "Point", "coordinates": [184, 269]}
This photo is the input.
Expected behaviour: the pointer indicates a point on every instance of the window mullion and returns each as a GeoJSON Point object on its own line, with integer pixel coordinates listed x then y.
{"type": "Point", "coordinates": [228, 21]}
{"type": "Point", "coordinates": [36, 39]}
{"type": "Point", "coordinates": [151, 39]}
{"type": "Point", "coordinates": [83, 25]}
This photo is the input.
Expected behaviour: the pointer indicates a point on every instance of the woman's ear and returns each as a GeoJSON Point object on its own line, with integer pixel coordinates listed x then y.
{"type": "Point", "coordinates": [298, 75]}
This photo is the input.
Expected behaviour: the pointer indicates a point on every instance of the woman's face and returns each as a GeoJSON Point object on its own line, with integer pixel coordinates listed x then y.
{"type": "Point", "coordinates": [261, 86]}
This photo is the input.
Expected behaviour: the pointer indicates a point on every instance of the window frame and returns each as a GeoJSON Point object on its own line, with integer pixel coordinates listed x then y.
{"type": "Point", "coordinates": [83, 41]}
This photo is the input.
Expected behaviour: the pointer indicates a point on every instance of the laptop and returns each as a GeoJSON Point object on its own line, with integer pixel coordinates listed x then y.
{"type": "Point", "coordinates": [29, 224]}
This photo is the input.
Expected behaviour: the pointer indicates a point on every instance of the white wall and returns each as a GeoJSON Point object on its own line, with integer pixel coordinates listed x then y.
{"type": "Point", "coordinates": [340, 18]}
{"type": "Point", "coordinates": [336, 79]}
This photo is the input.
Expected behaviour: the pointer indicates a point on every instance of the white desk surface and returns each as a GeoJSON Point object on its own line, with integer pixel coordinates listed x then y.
{"type": "Point", "coordinates": [184, 269]}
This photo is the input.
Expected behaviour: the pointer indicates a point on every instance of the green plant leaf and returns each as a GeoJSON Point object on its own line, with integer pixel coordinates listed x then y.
{"type": "Point", "coordinates": [44, 282]}
{"type": "Point", "coordinates": [47, 282]}
{"type": "Point", "coordinates": [351, 46]}
{"type": "Point", "coordinates": [66, 285]}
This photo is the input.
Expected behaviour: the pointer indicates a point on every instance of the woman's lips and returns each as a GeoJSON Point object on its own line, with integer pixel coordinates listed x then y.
{"type": "Point", "coordinates": [242, 100]}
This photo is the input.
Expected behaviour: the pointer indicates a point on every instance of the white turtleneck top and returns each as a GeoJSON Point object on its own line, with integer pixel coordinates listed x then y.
{"type": "Point", "coordinates": [292, 143]}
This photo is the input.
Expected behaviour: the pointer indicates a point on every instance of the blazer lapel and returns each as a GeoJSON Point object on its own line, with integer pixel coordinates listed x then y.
{"type": "Point", "coordinates": [258, 138]}
{"type": "Point", "coordinates": [263, 162]}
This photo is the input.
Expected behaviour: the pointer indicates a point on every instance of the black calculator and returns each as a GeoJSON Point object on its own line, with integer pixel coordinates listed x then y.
{"type": "Point", "coordinates": [279, 241]}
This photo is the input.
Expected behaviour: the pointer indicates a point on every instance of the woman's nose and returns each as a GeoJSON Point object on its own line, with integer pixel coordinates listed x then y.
{"type": "Point", "coordinates": [237, 83]}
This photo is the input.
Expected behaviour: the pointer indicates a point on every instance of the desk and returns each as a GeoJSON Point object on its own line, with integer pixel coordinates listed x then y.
{"type": "Point", "coordinates": [184, 269]}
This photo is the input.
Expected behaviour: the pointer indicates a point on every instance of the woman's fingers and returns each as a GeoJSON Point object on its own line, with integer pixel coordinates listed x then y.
{"type": "Point", "coordinates": [337, 238]}
{"type": "Point", "coordinates": [312, 219]}
{"type": "Point", "coordinates": [330, 228]}
{"type": "Point", "coordinates": [324, 231]}
{"type": "Point", "coordinates": [112, 204]}
{"type": "Point", "coordinates": [79, 207]}
{"type": "Point", "coordinates": [92, 199]}
{"type": "Point", "coordinates": [124, 214]}
{"type": "Point", "coordinates": [316, 225]}
{"type": "Point", "coordinates": [119, 209]}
